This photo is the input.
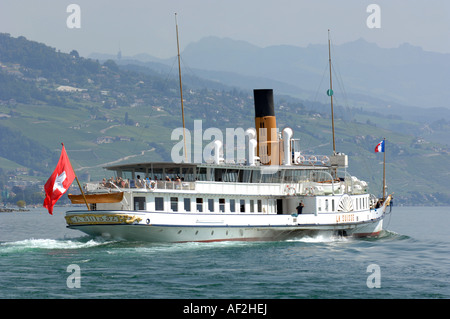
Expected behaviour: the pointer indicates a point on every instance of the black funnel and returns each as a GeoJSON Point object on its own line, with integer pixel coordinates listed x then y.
{"type": "Point", "coordinates": [263, 102]}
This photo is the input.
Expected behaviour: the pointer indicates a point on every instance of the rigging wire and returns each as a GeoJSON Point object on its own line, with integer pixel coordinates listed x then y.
{"type": "Point", "coordinates": [164, 86]}
{"type": "Point", "coordinates": [320, 84]}
{"type": "Point", "coordinates": [139, 138]}
{"type": "Point", "coordinates": [307, 143]}
{"type": "Point", "coordinates": [354, 128]}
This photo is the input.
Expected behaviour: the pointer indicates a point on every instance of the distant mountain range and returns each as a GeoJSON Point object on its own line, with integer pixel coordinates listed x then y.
{"type": "Point", "coordinates": [406, 75]}
{"type": "Point", "coordinates": [406, 83]}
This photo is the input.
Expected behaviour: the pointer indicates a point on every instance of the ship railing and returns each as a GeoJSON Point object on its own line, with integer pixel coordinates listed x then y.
{"type": "Point", "coordinates": [312, 160]}
{"type": "Point", "coordinates": [98, 186]}
{"type": "Point", "coordinates": [322, 183]}
{"type": "Point", "coordinates": [175, 185]}
{"type": "Point", "coordinates": [143, 184]}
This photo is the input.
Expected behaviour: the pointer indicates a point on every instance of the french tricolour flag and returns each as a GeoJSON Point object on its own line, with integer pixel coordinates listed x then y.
{"type": "Point", "coordinates": [379, 147]}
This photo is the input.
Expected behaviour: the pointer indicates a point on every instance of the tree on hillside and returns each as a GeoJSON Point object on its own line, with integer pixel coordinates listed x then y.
{"type": "Point", "coordinates": [74, 54]}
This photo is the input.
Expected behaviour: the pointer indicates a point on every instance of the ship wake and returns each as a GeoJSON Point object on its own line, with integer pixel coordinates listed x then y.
{"type": "Point", "coordinates": [29, 245]}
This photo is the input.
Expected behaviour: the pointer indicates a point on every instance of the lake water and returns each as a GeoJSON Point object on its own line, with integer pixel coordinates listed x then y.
{"type": "Point", "coordinates": [39, 258]}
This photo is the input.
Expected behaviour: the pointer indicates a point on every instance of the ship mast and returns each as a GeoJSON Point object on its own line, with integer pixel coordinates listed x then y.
{"type": "Point", "coordinates": [330, 94]}
{"type": "Point", "coordinates": [181, 89]}
{"type": "Point", "coordinates": [384, 170]}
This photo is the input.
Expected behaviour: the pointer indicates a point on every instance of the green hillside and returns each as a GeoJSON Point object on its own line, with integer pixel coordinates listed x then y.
{"type": "Point", "coordinates": [106, 114]}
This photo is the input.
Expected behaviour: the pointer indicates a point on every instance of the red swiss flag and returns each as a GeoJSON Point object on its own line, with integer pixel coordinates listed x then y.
{"type": "Point", "coordinates": [59, 182]}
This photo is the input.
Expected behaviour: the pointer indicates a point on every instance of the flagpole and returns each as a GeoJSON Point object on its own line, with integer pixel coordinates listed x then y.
{"type": "Point", "coordinates": [78, 182]}
{"type": "Point", "coordinates": [82, 193]}
{"type": "Point", "coordinates": [384, 169]}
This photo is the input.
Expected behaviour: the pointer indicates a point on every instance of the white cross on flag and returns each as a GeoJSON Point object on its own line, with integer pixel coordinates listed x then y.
{"type": "Point", "coordinates": [59, 182]}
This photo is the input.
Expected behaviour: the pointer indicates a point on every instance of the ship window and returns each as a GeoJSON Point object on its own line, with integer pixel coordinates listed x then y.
{"type": "Point", "coordinates": [172, 173]}
{"type": "Point", "coordinates": [288, 176]}
{"type": "Point", "coordinates": [232, 205]}
{"type": "Point", "coordinates": [259, 206]}
{"type": "Point", "coordinates": [326, 205]}
{"type": "Point", "coordinates": [210, 204]}
{"type": "Point", "coordinates": [222, 205]}
{"type": "Point", "coordinates": [231, 175]}
{"type": "Point", "coordinates": [159, 203]}
{"type": "Point", "coordinates": [188, 174]}
{"type": "Point", "coordinates": [210, 175]}
{"type": "Point", "coordinates": [332, 205]}
{"type": "Point", "coordinates": [201, 173]}
{"type": "Point", "coordinates": [242, 205]}
{"type": "Point", "coordinates": [187, 204]}
{"type": "Point", "coordinates": [272, 206]}
{"type": "Point", "coordinates": [252, 206]}
{"type": "Point", "coordinates": [278, 176]}
{"type": "Point", "coordinates": [158, 174]}
{"type": "Point", "coordinates": [218, 174]}
{"type": "Point", "coordinates": [256, 176]}
{"type": "Point", "coordinates": [139, 203]}
{"type": "Point", "coordinates": [266, 178]}
{"type": "Point", "coordinates": [199, 202]}
{"type": "Point", "coordinates": [174, 204]}
{"type": "Point", "coordinates": [247, 175]}
{"type": "Point", "coordinates": [127, 175]}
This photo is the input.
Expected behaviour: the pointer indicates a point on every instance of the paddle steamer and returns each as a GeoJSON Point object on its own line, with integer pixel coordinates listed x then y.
{"type": "Point", "coordinates": [276, 193]}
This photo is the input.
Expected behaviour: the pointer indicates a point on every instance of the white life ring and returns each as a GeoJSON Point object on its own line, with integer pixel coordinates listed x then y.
{"type": "Point", "coordinates": [286, 189]}
{"type": "Point", "coordinates": [289, 190]}
{"type": "Point", "coordinates": [292, 191]}
{"type": "Point", "coordinates": [309, 191]}
{"type": "Point", "coordinates": [299, 160]}
{"type": "Point", "coordinates": [325, 159]}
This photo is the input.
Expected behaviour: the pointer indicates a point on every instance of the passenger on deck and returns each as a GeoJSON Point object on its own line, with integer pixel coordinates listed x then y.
{"type": "Point", "coordinates": [139, 182]}
{"type": "Point", "coordinates": [152, 184]}
{"type": "Point", "coordinates": [120, 182]}
{"type": "Point", "coordinates": [299, 208]}
{"type": "Point", "coordinates": [110, 182]}
{"type": "Point", "coordinates": [178, 182]}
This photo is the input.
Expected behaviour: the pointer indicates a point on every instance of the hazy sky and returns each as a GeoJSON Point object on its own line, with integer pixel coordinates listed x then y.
{"type": "Point", "coordinates": [148, 26]}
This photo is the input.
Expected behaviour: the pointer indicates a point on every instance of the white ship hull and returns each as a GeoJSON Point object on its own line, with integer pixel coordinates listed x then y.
{"type": "Point", "coordinates": [182, 227]}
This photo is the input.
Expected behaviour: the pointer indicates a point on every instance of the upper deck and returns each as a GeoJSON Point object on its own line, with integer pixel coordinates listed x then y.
{"type": "Point", "coordinates": [160, 186]}
{"type": "Point", "coordinates": [233, 173]}
{"type": "Point", "coordinates": [232, 179]}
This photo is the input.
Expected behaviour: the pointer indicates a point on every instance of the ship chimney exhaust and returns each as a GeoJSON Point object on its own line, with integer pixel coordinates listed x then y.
{"type": "Point", "coordinates": [266, 127]}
